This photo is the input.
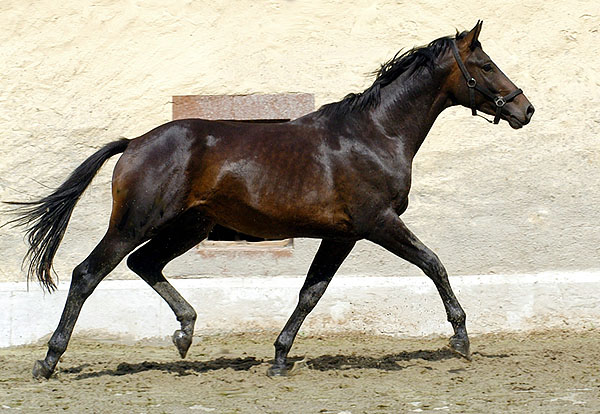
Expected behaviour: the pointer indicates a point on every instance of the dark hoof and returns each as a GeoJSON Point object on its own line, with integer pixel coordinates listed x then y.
{"type": "Point", "coordinates": [41, 370]}
{"type": "Point", "coordinates": [182, 341]}
{"type": "Point", "coordinates": [277, 371]}
{"type": "Point", "coordinates": [461, 347]}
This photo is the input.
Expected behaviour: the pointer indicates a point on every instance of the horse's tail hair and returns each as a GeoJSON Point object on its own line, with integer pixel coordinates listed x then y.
{"type": "Point", "coordinates": [46, 220]}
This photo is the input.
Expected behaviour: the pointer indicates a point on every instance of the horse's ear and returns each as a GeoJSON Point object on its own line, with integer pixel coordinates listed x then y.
{"type": "Point", "coordinates": [471, 37]}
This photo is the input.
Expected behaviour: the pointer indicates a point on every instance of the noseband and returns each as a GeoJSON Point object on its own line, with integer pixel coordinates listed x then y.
{"type": "Point", "coordinates": [498, 100]}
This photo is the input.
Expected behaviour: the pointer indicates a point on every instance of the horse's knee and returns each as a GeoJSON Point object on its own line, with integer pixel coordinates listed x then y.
{"type": "Point", "coordinates": [434, 268]}
{"type": "Point", "coordinates": [307, 303]}
{"type": "Point", "coordinates": [309, 297]}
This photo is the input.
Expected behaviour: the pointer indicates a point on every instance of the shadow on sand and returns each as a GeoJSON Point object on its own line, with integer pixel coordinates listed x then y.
{"type": "Point", "coordinates": [175, 367]}
{"type": "Point", "coordinates": [390, 362]}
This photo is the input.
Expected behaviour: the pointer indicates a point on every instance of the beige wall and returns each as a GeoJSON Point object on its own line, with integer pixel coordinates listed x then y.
{"type": "Point", "coordinates": [77, 74]}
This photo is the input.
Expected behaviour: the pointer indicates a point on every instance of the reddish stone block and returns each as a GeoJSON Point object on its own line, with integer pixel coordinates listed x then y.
{"type": "Point", "coordinates": [243, 107]}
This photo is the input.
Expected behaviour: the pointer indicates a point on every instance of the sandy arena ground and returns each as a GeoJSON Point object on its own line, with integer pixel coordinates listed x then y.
{"type": "Point", "coordinates": [546, 372]}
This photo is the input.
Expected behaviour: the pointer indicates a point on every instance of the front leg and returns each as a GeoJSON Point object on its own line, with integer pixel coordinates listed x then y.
{"type": "Point", "coordinates": [328, 259]}
{"type": "Point", "coordinates": [393, 235]}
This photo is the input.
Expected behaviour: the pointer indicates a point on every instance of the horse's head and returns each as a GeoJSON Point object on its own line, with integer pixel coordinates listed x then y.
{"type": "Point", "coordinates": [477, 83]}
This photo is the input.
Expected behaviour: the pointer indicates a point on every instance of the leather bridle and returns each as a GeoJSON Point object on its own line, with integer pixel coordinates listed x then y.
{"type": "Point", "coordinates": [498, 100]}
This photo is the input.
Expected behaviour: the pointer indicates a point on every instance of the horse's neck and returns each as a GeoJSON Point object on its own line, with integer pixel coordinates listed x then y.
{"type": "Point", "coordinates": [409, 107]}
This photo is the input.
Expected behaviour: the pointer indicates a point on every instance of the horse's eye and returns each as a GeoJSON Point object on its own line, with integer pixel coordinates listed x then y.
{"type": "Point", "coordinates": [487, 67]}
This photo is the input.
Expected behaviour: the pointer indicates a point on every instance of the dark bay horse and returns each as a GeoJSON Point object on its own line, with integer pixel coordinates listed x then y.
{"type": "Point", "coordinates": [340, 174]}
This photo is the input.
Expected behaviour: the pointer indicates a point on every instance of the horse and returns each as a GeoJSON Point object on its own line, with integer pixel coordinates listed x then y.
{"type": "Point", "coordinates": [339, 174]}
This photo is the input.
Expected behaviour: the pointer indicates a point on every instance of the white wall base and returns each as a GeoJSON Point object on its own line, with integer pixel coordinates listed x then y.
{"type": "Point", "coordinates": [127, 310]}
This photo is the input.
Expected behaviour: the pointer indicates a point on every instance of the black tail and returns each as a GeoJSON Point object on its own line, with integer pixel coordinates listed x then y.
{"type": "Point", "coordinates": [46, 220]}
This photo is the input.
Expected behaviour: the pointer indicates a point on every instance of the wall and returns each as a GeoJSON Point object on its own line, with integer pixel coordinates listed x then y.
{"type": "Point", "coordinates": [75, 75]}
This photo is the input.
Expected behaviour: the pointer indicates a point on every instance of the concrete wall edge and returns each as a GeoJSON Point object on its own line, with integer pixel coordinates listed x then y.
{"type": "Point", "coordinates": [129, 310]}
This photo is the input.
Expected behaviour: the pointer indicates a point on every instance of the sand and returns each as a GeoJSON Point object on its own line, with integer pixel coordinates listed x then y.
{"type": "Point", "coordinates": [545, 372]}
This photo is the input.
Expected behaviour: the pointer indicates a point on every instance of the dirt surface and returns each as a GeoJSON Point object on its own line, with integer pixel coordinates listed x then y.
{"type": "Point", "coordinates": [547, 372]}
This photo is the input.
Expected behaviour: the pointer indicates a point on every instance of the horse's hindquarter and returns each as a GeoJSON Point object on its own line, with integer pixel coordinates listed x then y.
{"type": "Point", "coordinates": [149, 180]}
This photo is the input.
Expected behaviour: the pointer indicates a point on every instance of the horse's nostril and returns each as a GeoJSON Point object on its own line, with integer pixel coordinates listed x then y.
{"type": "Point", "coordinates": [530, 111]}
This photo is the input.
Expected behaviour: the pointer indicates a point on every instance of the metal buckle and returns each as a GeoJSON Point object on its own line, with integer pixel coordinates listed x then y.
{"type": "Point", "coordinates": [499, 101]}
{"type": "Point", "coordinates": [471, 83]}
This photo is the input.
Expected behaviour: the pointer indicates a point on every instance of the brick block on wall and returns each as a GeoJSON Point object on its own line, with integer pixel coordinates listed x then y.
{"type": "Point", "coordinates": [243, 107]}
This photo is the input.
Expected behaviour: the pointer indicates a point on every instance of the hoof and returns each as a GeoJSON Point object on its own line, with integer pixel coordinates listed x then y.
{"type": "Point", "coordinates": [41, 370]}
{"type": "Point", "coordinates": [461, 347]}
{"type": "Point", "coordinates": [277, 371]}
{"type": "Point", "coordinates": [182, 341]}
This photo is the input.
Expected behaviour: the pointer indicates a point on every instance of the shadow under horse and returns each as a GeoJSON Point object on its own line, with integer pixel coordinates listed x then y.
{"type": "Point", "coordinates": [340, 174]}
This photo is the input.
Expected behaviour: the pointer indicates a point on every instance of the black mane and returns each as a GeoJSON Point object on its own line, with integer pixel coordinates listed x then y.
{"type": "Point", "coordinates": [409, 62]}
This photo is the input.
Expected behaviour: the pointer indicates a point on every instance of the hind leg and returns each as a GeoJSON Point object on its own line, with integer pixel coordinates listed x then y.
{"type": "Point", "coordinates": [86, 276]}
{"type": "Point", "coordinates": [149, 260]}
